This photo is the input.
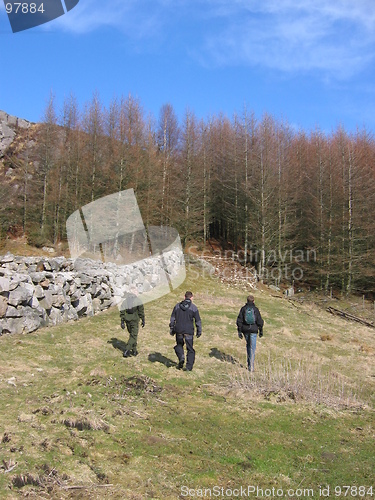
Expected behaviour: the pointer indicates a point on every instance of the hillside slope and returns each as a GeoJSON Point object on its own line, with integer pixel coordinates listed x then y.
{"type": "Point", "coordinates": [18, 166]}
{"type": "Point", "coordinates": [80, 421]}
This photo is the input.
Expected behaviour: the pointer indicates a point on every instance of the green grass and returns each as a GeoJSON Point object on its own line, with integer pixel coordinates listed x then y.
{"type": "Point", "coordinates": [77, 420]}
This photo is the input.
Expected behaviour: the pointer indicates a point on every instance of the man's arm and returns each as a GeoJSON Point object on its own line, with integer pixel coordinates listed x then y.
{"type": "Point", "coordinates": [198, 323]}
{"type": "Point", "coordinates": [239, 321]}
{"type": "Point", "coordinates": [260, 323]}
{"type": "Point", "coordinates": [122, 310]}
{"type": "Point", "coordinates": [122, 319]}
{"type": "Point", "coordinates": [141, 314]}
{"type": "Point", "coordinates": [172, 321]}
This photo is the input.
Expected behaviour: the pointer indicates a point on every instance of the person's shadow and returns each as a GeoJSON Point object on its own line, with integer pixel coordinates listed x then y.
{"type": "Point", "coordinates": [221, 356]}
{"type": "Point", "coordinates": [157, 357]}
{"type": "Point", "coordinates": [118, 344]}
{"type": "Point", "coordinates": [154, 357]}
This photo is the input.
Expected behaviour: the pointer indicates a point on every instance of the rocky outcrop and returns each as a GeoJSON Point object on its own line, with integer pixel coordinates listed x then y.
{"type": "Point", "coordinates": [8, 126]}
{"type": "Point", "coordinates": [37, 292]}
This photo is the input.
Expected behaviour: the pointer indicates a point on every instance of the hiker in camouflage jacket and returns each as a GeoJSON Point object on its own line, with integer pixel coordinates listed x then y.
{"type": "Point", "coordinates": [131, 311]}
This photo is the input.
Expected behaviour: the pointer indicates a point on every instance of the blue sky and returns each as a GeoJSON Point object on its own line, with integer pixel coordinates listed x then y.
{"type": "Point", "coordinates": [310, 62]}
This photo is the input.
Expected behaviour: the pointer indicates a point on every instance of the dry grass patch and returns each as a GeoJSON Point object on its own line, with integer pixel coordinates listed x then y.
{"type": "Point", "coordinates": [363, 347]}
{"type": "Point", "coordinates": [297, 380]}
{"type": "Point", "coordinates": [99, 372]}
{"type": "Point", "coordinates": [284, 331]}
{"type": "Point", "coordinates": [326, 337]}
{"type": "Point", "coordinates": [86, 423]}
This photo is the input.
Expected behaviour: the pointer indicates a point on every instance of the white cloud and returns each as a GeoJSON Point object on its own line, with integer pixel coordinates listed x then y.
{"type": "Point", "coordinates": [335, 37]}
{"type": "Point", "coordinates": [130, 16]}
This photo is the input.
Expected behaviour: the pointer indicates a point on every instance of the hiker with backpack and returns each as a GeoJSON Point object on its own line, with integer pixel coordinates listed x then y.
{"type": "Point", "coordinates": [131, 311]}
{"type": "Point", "coordinates": [249, 323]}
{"type": "Point", "coordinates": [184, 315]}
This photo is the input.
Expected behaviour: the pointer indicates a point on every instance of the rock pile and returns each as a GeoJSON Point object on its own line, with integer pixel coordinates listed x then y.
{"type": "Point", "coordinates": [8, 124]}
{"type": "Point", "coordinates": [37, 292]}
{"type": "Point", "coordinates": [230, 272]}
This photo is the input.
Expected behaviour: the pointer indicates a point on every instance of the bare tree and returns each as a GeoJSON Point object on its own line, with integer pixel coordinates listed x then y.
{"type": "Point", "coordinates": [47, 146]}
{"type": "Point", "coordinates": [168, 139]}
{"type": "Point", "coordinates": [93, 127]}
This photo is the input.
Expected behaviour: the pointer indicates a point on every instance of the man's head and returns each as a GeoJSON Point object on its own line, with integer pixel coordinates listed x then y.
{"type": "Point", "coordinates": [189, 295]}
{"type": "Point", "coordinates": [250, 299]}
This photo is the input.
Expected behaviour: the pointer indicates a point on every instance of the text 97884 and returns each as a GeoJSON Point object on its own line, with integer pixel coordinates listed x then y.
{"type": "Point", "coordinates": [24, 8]}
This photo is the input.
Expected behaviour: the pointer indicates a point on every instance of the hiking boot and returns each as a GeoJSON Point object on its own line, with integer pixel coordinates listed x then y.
{"type": "Point", "coordinates": [126, 354]}
{"type": "Point", "coordinates": [134, 352]}
{"type": "Point", "coordinates": [180, 364]}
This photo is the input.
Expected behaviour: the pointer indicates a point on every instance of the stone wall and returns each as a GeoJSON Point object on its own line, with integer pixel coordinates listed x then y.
{"type": "Point", "coordinates": [37, 292]}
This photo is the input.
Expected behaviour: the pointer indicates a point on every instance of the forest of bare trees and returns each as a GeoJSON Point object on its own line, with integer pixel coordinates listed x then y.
{"type": "Point", "coordinates": [283, 199]}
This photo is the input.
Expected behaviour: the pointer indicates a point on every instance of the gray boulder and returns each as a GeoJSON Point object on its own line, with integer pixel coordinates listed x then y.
{"type": "Point", "coordinates": [21, 295]}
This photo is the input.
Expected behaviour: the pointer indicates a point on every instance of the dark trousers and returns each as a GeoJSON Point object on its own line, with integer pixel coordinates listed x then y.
{"type": "Point", "coordinates": [132, 327]}
{"type": "Point", "coordinates": [181, 340]}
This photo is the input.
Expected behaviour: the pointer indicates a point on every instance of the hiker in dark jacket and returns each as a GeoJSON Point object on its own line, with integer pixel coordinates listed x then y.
{"type": "Point", "coordinates": [131, 311]}
{"type": "Point", "coordinates": [249, 323]}
{"type": "Point", "coordinates": [184, 315]}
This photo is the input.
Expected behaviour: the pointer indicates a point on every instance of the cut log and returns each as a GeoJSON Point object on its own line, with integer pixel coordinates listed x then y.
{"type": "Point", "coordinates": [350, 317]}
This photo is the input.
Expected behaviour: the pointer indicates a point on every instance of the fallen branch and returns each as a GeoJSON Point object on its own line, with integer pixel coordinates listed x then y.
{"type": "Point", "coordinates": [349, 317]}
{"type": "Point", "coordinates": [139, 415]}
{"type": "Point", "coordinates": [292, 302]}
{"type": "Point", "coordinates": [9, 466]}
{"type": "Point", "coordinates": [87, 487]}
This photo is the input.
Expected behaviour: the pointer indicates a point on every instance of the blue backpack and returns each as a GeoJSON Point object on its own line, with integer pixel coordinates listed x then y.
{"type": "Point", "coordinates": [249, 316]}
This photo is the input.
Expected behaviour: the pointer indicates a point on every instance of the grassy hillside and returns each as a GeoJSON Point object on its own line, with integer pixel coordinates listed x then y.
{"type": "Point", "coordinates": [77, 420]}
